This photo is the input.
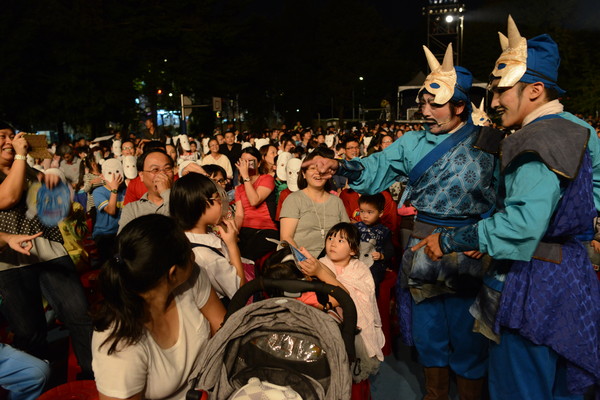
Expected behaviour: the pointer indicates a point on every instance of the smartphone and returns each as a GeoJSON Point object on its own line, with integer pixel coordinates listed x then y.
{"type": "Point", "coordinates": [252, 167]}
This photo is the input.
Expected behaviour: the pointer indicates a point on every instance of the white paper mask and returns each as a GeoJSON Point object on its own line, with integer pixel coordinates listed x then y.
{"type": "Point", "coordinates": [293, 169]}
{"type": "Point", "coordinates": [116, 148]}
{"type": "Point", "coordinates": [205, 148]}
{"type": "Point", "coordinates": [183, 141]}
{"type": "Point", "coordinates": [329, 140]}
{"type": "Point", "coordinates": [110, 168]}
{"type": "Point", "coordinates": [282, 161]}
{"type": "Point", "coordinates": [260, 142]}
{"type": "Point", "coordinates": [129, 167]}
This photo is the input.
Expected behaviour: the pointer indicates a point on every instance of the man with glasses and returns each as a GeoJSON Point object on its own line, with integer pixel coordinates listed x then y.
{"type": "Point", "coordinates": [156, 173]}
{"type": "Point", "coordinates": [352, 149]}
{"type": "Point", "coordinates": [127, 149]}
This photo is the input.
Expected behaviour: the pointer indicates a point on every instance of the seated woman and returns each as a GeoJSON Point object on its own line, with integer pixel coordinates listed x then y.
{"type": "Point", "coordinates": [306, 215]}
{"type": "Point", "coordinates": [158, 312]}
{"type": "Point", "coordinates": [214, 157]}
{"type": "Point", "coordinates": [252, 214]}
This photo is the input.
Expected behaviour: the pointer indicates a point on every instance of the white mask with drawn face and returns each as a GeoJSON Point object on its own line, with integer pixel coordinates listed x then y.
{"type": "Point", "coordinates": [330, 140]}
{"type": "Point", "coordinates": [98, 156]}
{"type": "Point", "coordinates": [116, 148]}
{"type": "Point", "coordinates": [129, 167]}
{"type": "Point", "coordinates": [293, 169]}
{"type": "Point", "coordinates": [183, 141]}
{"type": "Point", "coordinates": [110, 168]}
{"type": "Point", "coordinates": [282, 161]}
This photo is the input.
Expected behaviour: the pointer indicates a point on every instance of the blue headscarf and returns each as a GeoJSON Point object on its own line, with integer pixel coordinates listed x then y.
{"type": "Point", "coordinates": [543, 61]}
{"type": "Point", "coordinates": [464, 81]}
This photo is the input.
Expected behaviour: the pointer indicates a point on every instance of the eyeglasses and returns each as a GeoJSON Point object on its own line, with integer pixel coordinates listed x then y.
{"type": "Point", "coordinates": [154, 171]}
{"type": "Point", "coordinates": [222, 181]}
{"type": "Point", "coordinates": [128, 148]}
{"type": "Point", "coordinates": [217, 199]}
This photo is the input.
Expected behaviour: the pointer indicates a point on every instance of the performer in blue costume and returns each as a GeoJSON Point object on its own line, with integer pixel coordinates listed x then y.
{"type": "Point", "coordinates": [451, 183]}
{"type": "Point", "coordinates": [540, 300]}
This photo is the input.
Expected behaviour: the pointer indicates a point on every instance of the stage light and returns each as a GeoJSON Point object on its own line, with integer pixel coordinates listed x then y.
{"type": "Point", "coordinates": [449, 18]}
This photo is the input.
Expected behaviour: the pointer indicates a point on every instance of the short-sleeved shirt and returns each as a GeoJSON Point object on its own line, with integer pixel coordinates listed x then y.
{"type": "Point", "coordinates": [312, 218]}
{"type": "Point", "coordinates": [135, 190]}
{"type": "Point", "coordinates": [145, 366]}
{"type": "Point", "coordinates": [71, 171]}
{"type": "Point", "coordinates": [256, 217]}
{"type": "Point", "coordinates": [223, 276]}
{"type": "Point", "coordinates": [144, 207]}
{"type": "Point", "coordinates": [106, 224]}
{"type": "Point", "coordinates": [222, 161]}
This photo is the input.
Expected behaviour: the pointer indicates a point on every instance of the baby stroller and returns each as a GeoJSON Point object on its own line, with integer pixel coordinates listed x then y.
{"type": "Point", "coordinates": [280, 342]}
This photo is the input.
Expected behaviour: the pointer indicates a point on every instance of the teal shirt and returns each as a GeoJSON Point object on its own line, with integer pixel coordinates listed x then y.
{"type": "Point", "coordinates": [532, 194]}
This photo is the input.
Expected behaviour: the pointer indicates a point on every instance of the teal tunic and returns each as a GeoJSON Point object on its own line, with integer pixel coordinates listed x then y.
{"type": "Point", "coordinates": [532, 194]}
{"type": "Point", "coordinates": [459, 185]}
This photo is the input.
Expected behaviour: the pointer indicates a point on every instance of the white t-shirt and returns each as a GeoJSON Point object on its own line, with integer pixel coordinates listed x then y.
{"type": "Point", "coordinates": [223, 276]}
{"type": "Point", "coordinates": [145, 366]}
{"type": "Point", "coordinates": [223, 161]}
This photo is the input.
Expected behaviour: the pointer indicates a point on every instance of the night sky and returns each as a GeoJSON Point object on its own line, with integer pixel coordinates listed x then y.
{"type": "Point", "coordinates": [83, 62]}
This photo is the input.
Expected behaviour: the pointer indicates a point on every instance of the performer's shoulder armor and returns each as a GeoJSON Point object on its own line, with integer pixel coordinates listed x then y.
{"type": "Point", "coordinates": [489, 139]}
{"type": "Point", "coordinates": [559, 143]}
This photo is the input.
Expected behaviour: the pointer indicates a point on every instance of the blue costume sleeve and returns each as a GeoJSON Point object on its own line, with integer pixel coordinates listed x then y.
{"type": "Point", "coordinates": [532, 194]}
{"type": "Point", "coordinates": [382, 169]}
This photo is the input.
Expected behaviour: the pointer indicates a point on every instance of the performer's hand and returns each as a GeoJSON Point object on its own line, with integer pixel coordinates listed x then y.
{"type": "Point", "coordinates": [595, 245]}
{"type": "Point", "coordinates": [432, 246]}
{"type": "Point", "coordinates": [326, 167]}
{"type": "Point", "coordinates": [473, 254]}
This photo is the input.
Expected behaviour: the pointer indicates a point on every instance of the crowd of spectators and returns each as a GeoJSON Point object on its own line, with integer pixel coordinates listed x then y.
{"type": "Point", "coordinates": [232, 196]}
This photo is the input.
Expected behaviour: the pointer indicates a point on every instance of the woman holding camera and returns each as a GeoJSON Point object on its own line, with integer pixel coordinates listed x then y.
{"type": "Point", "coordinates": [252, 213]}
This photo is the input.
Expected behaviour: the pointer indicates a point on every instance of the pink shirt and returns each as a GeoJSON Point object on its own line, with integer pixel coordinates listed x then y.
{"type": "Point", "coordinates": [256, 217]}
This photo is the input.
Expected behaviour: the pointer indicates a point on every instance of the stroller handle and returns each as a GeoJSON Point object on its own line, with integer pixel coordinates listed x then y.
{"type": "Point", "coordinates": [348, 326]}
